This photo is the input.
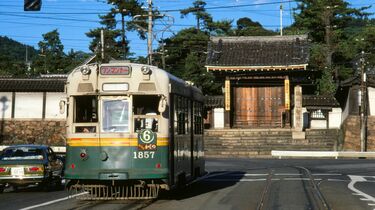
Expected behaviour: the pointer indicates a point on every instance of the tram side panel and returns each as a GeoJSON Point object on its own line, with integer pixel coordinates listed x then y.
{"type": "Point", "coordinates": [197, 140]}
{"type": "Point", "coordinates": [182, 140]}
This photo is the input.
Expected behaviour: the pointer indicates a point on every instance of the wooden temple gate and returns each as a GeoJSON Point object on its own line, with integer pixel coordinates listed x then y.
{"type": "Point", "coordinates": [258, 106]}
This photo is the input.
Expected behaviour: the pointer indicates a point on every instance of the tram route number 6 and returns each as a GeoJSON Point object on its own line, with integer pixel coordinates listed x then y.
{"type": "Point", "coordinates": [143, 154]}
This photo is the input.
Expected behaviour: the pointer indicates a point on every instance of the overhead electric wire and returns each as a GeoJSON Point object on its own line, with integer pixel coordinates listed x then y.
{"type": "Point", "coordinates": [51, 18]}
{"type": "Point", "coordinates": [231, 6]}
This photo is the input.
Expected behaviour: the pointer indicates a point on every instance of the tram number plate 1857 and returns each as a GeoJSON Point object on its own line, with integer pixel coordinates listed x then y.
{"type": "Point", "coordinates": [143, 155]}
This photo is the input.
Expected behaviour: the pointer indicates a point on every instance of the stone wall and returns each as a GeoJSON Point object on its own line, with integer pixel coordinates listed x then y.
{"type": "Point", "coordinates": [50, 132]}
{"type": "Point", "coordinates": [260, 142]}
{"type": "Point", "coordinates": [351, 138]}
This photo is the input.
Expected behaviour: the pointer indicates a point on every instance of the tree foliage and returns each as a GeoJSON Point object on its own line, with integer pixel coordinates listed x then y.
{"type": "Point", "coordinates": [338, 35]}
{"type": "Point", "coordinates": [115, 43]}
{"type": "Point", "coordinates": [52, 59]}
{"type": "Point", "coordinates": [247, 27]}
{"type": "Point", "coordinates": [201, 15]}
{"type": "Point", "coordinates": [330, 25]}
{"type": "Point", "coordinates": [13, 57]}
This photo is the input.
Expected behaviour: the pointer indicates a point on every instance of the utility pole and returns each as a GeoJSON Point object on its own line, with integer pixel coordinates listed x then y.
{"type": "Point", "coordinates": [281, 19]}
{"type": "Point", "coordinates": [327, 15]}
{"type": "Point", "coordinates": [102, 42]}
{"type": "Point", "coordinates": [123, 42]}
{"type": "Point", "coordinates": [363, 116]}
{"type": "Point", "coordinates": [163, 55]}
{"type": "Point", "coordinates": [140, 18]}
{"type": "Point", "coordinates": [149, 36]}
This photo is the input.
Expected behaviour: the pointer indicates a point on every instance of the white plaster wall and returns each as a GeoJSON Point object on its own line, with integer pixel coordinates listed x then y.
{"type": "Point", "coordinates": [28, 105]}
{"type": "Point", "coordinates": [371, 99]}
{"type": "Point", "coordinates": [5, 105]}
{"type": "Point", "coordinates": [219, 118]}
{"type": "Point", "coordinates": [334, 118]}
{"type": "Point", "coordinates": [318, 124]}
{"type": "Point", "coordinates": [345, 112]}
{"type": "Point", "coordinates": [52, 105]}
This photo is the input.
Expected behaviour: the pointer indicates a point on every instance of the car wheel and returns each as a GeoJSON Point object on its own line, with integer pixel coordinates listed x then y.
{"type": "Point", "coordinates": [1, 190]}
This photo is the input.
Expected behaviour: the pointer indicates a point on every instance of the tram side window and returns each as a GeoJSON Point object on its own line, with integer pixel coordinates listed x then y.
{"type": "Point", "coordinates": [181, 109]}
{"type": "Point", "coordinates": [145, 108]}
{"type": "Point", "coordinates": [86, 109]}
{"type": "Point", "coordinates": [198, 120]}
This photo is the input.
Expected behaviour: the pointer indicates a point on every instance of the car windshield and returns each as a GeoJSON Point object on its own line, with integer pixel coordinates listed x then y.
{"type": "Point", "coordinates": [22, 153]}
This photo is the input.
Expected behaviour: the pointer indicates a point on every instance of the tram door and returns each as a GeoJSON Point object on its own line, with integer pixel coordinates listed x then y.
{"type": "Point", "coordinates": [258, 106]}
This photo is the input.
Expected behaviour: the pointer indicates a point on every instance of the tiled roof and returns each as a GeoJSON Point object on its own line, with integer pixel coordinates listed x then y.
{"type": "Point", "coordinates": [258, 51]}
{"type": "Point", "coordinates": [51, 84]}
{"type": "Point", "coordinates": [356, 80]}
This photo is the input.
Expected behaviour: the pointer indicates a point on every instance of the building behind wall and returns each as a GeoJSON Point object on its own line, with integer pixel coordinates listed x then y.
{"type": "Point", "coordinates": [259, 74]}
{"type": "Point", "coordinates": [29, 110]}
{"type": "Point", "coordinates": [349, 96]}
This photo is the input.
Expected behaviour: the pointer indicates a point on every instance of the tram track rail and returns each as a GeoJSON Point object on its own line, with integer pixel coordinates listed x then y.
{"type": "Point", "coordinates": [266, 191]}
{"type": "Point", "coordinates": [314, 195]}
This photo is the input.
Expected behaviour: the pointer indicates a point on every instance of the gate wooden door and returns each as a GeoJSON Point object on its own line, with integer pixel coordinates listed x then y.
{"type": "Point", "coordinates": [258, 106]}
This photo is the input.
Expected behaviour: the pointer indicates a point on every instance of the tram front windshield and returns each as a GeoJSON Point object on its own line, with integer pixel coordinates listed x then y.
{"type": "Point", "coordinates": [115, 115]}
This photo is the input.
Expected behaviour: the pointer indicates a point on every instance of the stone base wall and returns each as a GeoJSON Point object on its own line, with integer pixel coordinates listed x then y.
{"type": "Point", "coordinates": [260, 142]}
{"type": "Point", "coordinates": [49, 132]}
{"type": "Point", "coordinates": [351, 135]}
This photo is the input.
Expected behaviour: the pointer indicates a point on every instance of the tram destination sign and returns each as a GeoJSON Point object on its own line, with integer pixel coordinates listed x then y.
{"type": "Point", "coordinates": [114, 70]}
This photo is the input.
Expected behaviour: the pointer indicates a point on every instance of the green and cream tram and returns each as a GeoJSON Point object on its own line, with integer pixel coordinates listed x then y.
{"type": "Point", "coordinates": [132, 129]}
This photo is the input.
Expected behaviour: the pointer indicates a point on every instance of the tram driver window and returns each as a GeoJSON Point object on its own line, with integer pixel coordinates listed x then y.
{"type": "Point", "coordinates": [145, 108]}
{"type": "Point", "coordinates": [86, 109]}
{"type": "Point", "coordinates": [85, 112]}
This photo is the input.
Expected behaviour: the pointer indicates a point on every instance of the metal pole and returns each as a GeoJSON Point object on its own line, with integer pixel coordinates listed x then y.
{"type": "Point", "coordinates": [281, 19]}
{"type": "Point", "coordinates": [163, 55]}
{"type": "Point", "coordinates": [123, 33]}
{"type": "Point", "coordinates": [363, 104]}
{"type": "Point", "coordinates": [149, 36]}
{"type": "Point", "coordinates": [102, 42]}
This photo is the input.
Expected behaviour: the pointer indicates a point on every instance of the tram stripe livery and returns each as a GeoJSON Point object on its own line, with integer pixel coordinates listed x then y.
{"type": "Point", "coordinates": [132, 129]}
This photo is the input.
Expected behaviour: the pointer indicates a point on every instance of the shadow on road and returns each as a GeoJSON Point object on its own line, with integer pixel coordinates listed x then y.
{"type": "Point", "coordinates": [211, 182]}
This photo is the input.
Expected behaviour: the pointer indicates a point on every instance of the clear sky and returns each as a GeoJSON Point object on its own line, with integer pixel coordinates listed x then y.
{"type": "Point", "coordinates": [73, 18]}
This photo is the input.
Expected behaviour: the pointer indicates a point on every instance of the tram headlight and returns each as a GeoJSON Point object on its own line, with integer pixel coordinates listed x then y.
{"type": "Point", "coordinates": [146, 70]}
{"type": "Point", "coordinates": [85, 70]}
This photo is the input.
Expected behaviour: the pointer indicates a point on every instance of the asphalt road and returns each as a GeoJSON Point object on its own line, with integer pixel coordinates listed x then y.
{"type": "Point", "coordinates": [240, 184]}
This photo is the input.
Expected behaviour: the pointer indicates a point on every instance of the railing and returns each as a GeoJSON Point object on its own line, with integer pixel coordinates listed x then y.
{"type": "Point", "coordinates": [322, 154]}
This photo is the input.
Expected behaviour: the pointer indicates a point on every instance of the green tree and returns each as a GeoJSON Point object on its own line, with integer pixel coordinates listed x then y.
{"type": "Point", "coordinates": [11, 67]}
{"type": "Point", "coordinates": [197, 73]}
{"type": "Point", "coordinates": [51, 59]}
{"type": "Point", "coordinates": [13, 56]}
{"type": "Point", "coordinates": [247, 27]}
{"type": "Point", "coordinates": [185, 58]}
{"type": "Point", "coordinates": [116, 45]}
{"type": "Point", "coordinates": [199, 11]}
{"type": "Point", "coordinates": [74, 59]}
{"type": "Point", "coordinates": [327, 23]}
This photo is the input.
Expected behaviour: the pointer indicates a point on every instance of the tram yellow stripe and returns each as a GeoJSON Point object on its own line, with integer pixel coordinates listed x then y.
{"type": "Point", "coordinates": [108, 142]}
